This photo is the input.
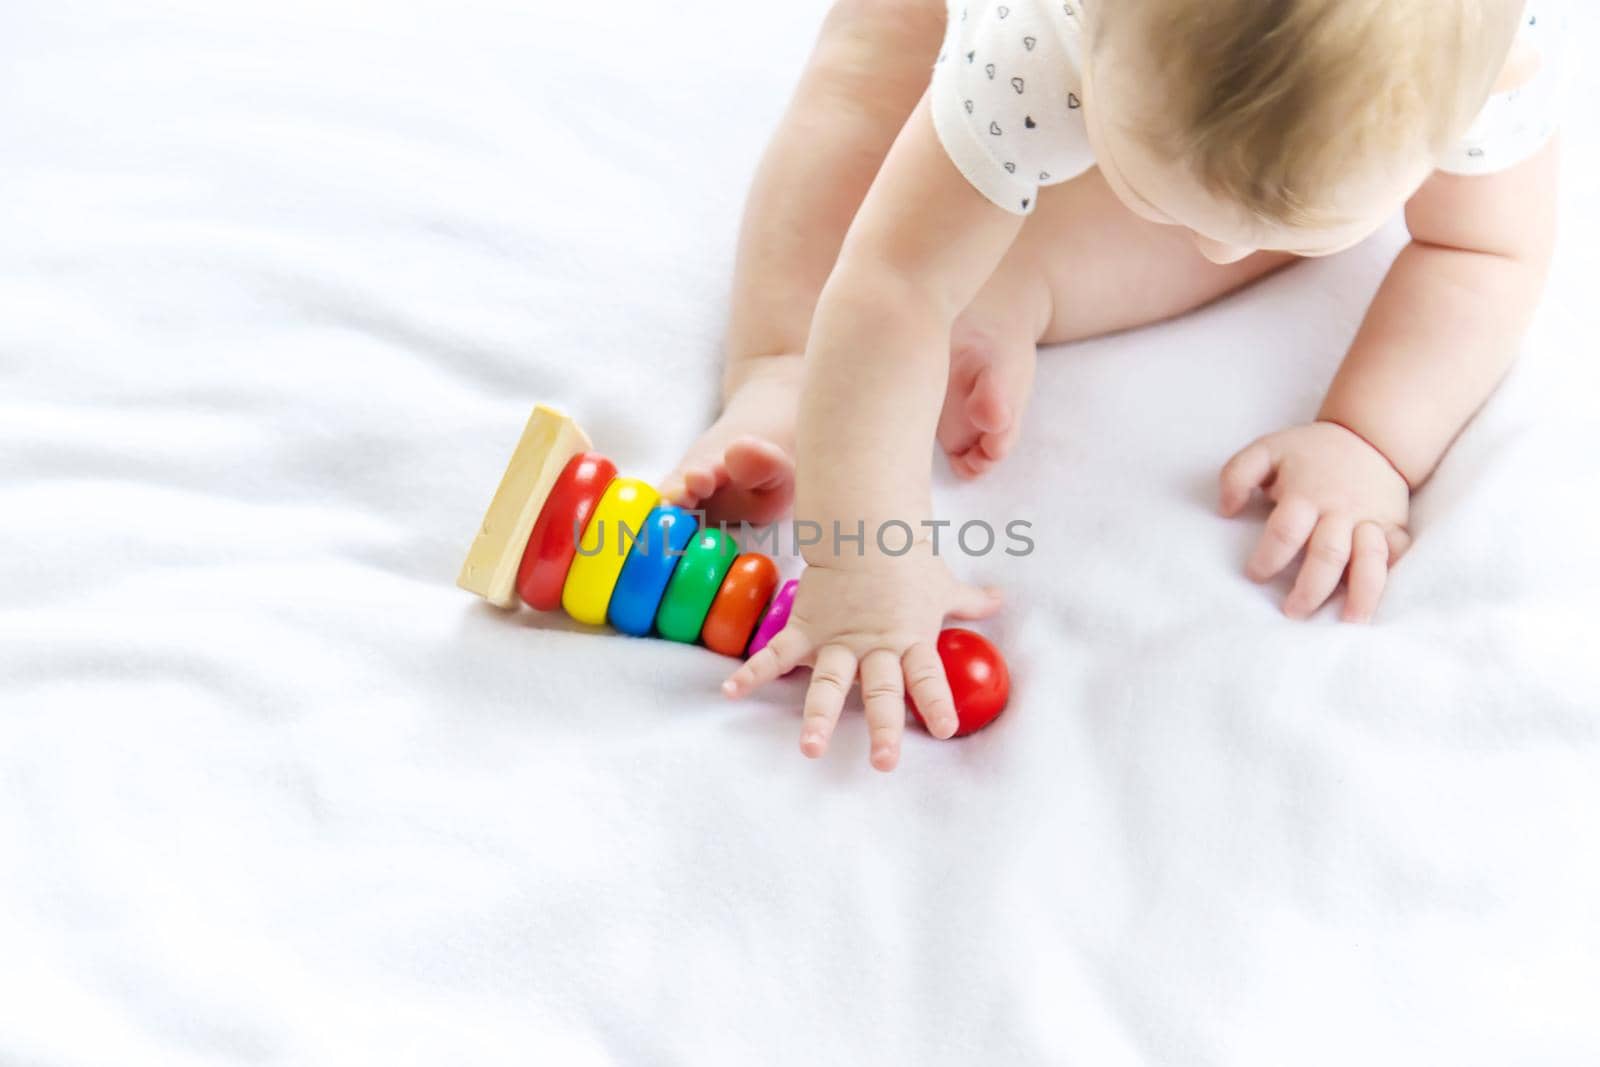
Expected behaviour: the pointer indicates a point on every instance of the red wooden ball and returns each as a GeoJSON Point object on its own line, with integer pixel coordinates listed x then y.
{"type": "Point", "coordinates": [980, 682]}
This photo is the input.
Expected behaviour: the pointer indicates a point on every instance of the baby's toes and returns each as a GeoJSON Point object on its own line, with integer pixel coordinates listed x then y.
{"type": "Point", "coordinates": [675, 488]}
{"type": "Point", "coordinates": [756, 482]}
{"type": "Point", "coordinates": [986, 451]}
{"type": "Point", "coordinates": [958, 455]}
{"type": "Point", "coordinates": [700, 482]}
{"type": "Point", "coordinates": [997, 446]}
{"type": "Point", "coordinates": [956, 433]}
{"type": "Point", "coordinates": [971, 464]}
{"type": "Point", "coordinates": [987, 408]}
{"type": "Point", "coordinates": [756, 465]}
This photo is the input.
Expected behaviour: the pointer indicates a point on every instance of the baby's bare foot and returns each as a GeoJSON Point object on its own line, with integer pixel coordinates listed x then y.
{"type": "Point", "coordinates": [990, 378]}
{"type": "Point", "coordinates": [742, 468]}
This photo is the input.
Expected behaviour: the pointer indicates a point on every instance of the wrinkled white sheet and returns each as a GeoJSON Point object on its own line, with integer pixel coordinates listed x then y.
{"type": "Point", "coordinates": [278, 284]}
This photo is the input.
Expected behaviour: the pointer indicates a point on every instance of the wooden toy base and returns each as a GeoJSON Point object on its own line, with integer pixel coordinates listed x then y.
{"type": "Point", "coordinates": [549, 440]}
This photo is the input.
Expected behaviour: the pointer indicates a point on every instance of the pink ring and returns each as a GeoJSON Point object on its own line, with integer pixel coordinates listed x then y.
{"type": "Point", "coordinates": [777, 617]}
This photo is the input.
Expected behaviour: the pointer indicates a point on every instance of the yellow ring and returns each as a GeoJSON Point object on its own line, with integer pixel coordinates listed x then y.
{"type": "Point", "coordinates": [607, 540]}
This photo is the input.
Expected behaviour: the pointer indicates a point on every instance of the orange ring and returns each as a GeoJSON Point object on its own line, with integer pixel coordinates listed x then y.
{"type": "Point", "coordinates": [737, 608]}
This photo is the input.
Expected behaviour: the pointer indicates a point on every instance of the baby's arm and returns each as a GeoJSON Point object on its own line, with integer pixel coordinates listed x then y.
{"type": "Point", "coordinates": [921, 247]}
{"type": "Point", "coordinates": [869, 68]}
{"type": "Point", "coordinates": [1442, 332]}
{"type": "Point", "coordinates": [1449, 319]}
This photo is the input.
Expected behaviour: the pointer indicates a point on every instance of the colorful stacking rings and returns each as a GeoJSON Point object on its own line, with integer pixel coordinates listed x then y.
{"type": "Point", "coordinates": [667, 530]}
{"type": "Point", "coordinates": [777, 617]}
{"type": "Point", "coordinates": [746, 590]}
{"type": "Point", "coordinates": [694, 585]}
{"type": "Point", "coordinates": [612, 531]}
{"type": "Point", "coordinates": [552, 544]}
{"type": "Point", "coordinates": [606, 549]}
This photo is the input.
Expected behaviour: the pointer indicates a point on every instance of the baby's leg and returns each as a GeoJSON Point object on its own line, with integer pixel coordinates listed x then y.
{"type": "Point", "coordinates": [1084, 265]}
{"type": "Point", "coordinates": [870, 66]}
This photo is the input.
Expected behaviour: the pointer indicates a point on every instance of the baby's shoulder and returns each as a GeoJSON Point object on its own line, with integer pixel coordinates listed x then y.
{"type": "Point", "coordinates": [1524, 110]}
{"type": "Point", "coordinates": [1007, 97]}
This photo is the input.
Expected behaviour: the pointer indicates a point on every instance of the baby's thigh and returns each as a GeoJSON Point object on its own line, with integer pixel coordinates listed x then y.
{"type": "Point", "coordinates": [1107, 269]}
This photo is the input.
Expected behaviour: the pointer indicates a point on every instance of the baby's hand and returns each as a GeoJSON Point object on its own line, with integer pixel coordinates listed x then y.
{"type": "Point", "coordinates": [878, 617]}
{"type": "Point", "coordinates": [1337, 497]}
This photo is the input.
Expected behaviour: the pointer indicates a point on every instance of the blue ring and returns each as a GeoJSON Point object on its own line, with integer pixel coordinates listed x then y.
{"type": "Point", "coordinates": [666, 532]}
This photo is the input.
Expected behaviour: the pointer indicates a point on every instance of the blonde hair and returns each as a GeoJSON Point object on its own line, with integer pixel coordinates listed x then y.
{"type": "Point", "coordinates": [1272, 103]}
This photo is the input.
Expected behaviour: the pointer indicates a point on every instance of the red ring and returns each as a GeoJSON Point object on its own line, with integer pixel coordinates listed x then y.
{"type": "Point", "coordinates": [551, 546]}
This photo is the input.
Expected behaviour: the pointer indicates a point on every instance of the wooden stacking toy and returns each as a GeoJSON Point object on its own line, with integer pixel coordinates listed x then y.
{"type": "Point", "coordinates": [553, 537]}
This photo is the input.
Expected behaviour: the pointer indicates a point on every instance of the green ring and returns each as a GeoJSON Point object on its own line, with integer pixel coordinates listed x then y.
{"type": "Point", "coordinates": [694, 585]}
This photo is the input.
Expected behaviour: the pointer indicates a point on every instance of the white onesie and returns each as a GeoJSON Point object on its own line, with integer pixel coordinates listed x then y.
{"type": "Point", "coordinates": [1007, 98]}
{"type": "Point", "coordinates": [1514, 125]}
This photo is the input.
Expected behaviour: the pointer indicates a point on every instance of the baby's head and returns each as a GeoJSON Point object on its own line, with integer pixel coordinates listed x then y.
{"type": "Point", "coordinates": [1297, 125]}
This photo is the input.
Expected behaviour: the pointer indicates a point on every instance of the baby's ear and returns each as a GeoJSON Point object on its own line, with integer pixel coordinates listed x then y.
{"type": "Point", "coordinates": [1521, 65]}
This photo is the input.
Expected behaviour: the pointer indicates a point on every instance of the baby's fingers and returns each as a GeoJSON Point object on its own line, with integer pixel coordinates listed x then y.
{"type": "Point", "coordinates": [1399, 543]}
{"type": "Point", "coordinates": [1290, 523]}
{"type": "Point", "coordinates": [972, 602]}
{"type": "Point", "coordinates": [1369, 573]}
{"type": "Point", "coordinates": [885, 700]}
{"type": "Point", "coordinates": [1326, 558]}
{"type": "Point", "coordinates": [1242, 475]}
{"type": "Point", "coordinates": [930, 689]}
{"type": "Point", "coordinates": [782, 655]}
{"type": "Point", "coordinates": [830, 681]}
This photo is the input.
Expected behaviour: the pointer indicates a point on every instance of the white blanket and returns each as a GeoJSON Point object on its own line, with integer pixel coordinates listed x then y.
{"type": "Point", "coordinates": [279, 282]}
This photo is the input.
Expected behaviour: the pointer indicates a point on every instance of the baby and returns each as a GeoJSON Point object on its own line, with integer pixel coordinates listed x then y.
{"type": "Point", "coordinates": [1086, 166]}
